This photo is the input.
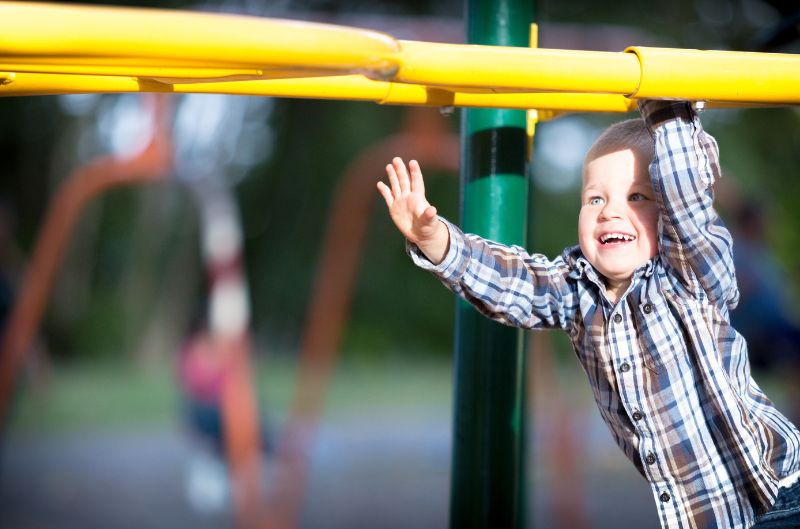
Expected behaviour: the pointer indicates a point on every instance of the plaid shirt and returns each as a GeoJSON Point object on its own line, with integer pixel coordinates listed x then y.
{"type": "Point", "coordinates": [671, 377]}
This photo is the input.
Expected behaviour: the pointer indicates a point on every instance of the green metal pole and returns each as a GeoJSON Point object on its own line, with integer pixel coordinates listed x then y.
{"type": "Point", "coordinates": [488, 467]}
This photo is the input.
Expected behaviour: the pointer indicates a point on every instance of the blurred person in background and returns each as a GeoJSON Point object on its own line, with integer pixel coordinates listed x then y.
{"type": "Point", "coordinates": [763, 315]}
{"type": "Point", "coordinates": [200, 373]}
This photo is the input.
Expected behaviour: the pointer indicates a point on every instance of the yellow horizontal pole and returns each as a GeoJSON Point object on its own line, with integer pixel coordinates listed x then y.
{"type": "Point", "coordinates": [137, 71]}
{"type": "Point", "coordinates": [508, 67]}
{"type": "Point", "coordinates": [718, 75]}
{"type": "Point", "coordinates": [346, 87]}
{"type": "Point", "coordinates": [405, 94]}
{"type": "Point", "coordinates": [166, 74]}
{"type": "Point", "coordinates": [46, 60]}
{"type": "Point", "coordinates": [354, 87]}
{"type": "Point", "coordinates": [42, 29]}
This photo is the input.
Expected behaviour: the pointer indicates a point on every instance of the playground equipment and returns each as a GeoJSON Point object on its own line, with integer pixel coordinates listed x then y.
{"type": "Point", "coordinates": [53, 49]}
{"type": "Point", "coordinates": [50, 49]}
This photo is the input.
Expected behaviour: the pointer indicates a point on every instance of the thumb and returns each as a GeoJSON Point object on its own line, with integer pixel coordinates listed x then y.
{"type": "Point", "coordinates": [429, 215]}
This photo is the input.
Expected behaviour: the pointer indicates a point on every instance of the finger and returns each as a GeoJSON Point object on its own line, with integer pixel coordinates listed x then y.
{"type": "Point", "coordinates": [393, 180]}
{"type": "Point", "coordinates": [417, 183]}
{"type": "Point", "coordinates": [386, 193]}
{"type": "Point", "coordinates": [402, 174]}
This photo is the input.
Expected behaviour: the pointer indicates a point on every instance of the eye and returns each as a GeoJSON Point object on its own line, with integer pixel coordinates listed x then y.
{"type": "Point", "coordinates": [636, 197]}
{"type": "Point", "coordinates": [595, 201]}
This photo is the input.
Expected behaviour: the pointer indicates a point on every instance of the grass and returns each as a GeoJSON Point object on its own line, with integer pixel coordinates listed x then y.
{"type": "Point", "coordinates": [88, 396]}
{"type": "Point", "coordinates": [119, 396]}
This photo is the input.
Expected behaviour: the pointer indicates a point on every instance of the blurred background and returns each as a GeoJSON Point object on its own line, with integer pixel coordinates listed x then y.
{"type": "Point", "coordinates": [113, 423]}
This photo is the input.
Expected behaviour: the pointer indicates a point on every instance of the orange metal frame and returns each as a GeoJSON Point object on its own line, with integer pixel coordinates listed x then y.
{"type": "Point", "coordinates": [425, 135]}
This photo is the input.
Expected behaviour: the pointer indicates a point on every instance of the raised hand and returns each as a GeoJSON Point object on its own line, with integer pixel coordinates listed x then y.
{"type": "Point", "coordinates": [410, 210]}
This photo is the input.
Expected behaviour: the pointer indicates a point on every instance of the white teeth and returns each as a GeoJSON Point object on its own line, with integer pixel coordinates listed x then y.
{"type": "Point", "coordinates": [606, 237]}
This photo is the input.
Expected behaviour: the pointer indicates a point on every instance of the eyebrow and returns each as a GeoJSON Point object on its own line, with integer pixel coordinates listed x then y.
{"type": "Point", "coordinates": [647, 186]}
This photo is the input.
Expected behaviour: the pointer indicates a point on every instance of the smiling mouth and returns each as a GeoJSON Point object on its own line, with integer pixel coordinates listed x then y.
{"type": "Point", "coordinates": [615, 239]}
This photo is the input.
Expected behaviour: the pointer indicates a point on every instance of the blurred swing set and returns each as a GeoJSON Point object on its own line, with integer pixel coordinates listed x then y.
{"type": "Point", "coordinates": [48, 49]}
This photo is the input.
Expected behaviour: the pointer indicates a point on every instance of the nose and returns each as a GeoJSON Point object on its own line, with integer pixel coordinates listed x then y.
{"type": "Point", "coordinates": [611, 210]}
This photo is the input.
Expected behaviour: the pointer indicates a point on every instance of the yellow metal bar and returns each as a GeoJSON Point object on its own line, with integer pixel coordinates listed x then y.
{"type": "Point", "coordinates": [41, 29]}
{"type": "Point", "coordinates": [718, 75]}
{"type": "Point", "coordinates": [167, 74]}
{"type": "Point", "coordinates": [354, 87]}
{"type": "Point", "coordinates": [25, 84]}
{"type": "Point", "coordinates": [347, 87]}
{"type": "Point", "coordinates": [137, 71]}
{"type": "Point", "coordinates": [518, 68]}
{"type": "Point", "coordinates": [46, 60]}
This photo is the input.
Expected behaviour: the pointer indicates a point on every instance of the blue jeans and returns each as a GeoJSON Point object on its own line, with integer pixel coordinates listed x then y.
{"type": "Point", "coordinates": [786, 511]}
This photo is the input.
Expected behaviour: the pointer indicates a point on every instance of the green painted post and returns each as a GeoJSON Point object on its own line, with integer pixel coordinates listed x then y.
{"type": "Point", "coordinates": [488, 466]}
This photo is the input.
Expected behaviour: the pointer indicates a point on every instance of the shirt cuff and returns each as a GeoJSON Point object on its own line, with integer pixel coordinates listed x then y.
{"type": "Point", "coordinates": [451, 266]}
{"type": "Point", "coordinates": [656, 112]}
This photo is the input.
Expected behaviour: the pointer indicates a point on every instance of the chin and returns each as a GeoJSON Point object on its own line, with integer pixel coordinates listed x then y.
{"type": "Point", "coordinates": [617, 276]}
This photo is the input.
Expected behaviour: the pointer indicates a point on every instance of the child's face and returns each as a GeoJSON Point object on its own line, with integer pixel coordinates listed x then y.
{"type": "Point", "coordinates": [618, 223]}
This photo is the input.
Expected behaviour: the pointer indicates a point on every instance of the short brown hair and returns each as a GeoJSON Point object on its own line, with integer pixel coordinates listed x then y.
{"type": "Point", "coordinates": [628, 134]}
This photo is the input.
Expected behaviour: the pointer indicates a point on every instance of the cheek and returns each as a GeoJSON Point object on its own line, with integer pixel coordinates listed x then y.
{"type": "Point", "coordinates": [585, 224]}
{"type": "Point", "coordinates": [651, 229]}
{"type": "Point", "coordinates": [586, 228]}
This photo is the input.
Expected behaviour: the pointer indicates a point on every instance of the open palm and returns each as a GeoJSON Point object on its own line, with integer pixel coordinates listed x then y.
{"type": "Point", "coordinates": [405, 197]}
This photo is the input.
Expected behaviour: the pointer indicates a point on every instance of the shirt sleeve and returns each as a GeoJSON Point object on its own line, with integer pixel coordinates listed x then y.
{"type": "Point", "coordinates": [505, 283]}
{"type": "Point", "coordinates": [692, 238]}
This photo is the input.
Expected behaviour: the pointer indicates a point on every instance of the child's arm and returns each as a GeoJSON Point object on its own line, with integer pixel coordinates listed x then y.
{"type": "Point", "coordinates": [412, 214]}
{"type": "Point", "coordinates": [505, 283]}
{"type": "Point", "coordinates": [693, 239]}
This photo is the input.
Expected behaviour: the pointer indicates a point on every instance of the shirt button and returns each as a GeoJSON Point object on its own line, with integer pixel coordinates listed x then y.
{"type": "Point", "coordinates": [625, 367]}
{"type": "Point", "coordinates": [650, 459]}
{"type": "Point", "coordinates": [637, 415]}
{"type": "Point", "coordinates": [617, 318]}
{"type": "Point", "coordinates": [648, 308]}
{"type": "Point", "coordinates": [665, 497]}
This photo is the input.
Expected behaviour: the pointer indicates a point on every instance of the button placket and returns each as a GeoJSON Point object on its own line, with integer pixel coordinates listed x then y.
{"type": "Point", "coordinates": [647, 454]}
{"type": "Point", "coordinates": [624, 351]}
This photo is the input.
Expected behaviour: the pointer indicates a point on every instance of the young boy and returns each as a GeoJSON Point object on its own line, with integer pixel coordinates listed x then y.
{"type": "Point", "coordinates": [645, 298]}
